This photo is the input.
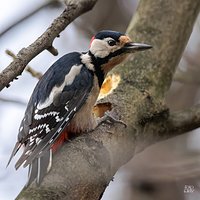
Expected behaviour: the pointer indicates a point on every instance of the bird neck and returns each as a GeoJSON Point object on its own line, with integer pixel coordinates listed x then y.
{"type": "Point", "coordinates": [107, 63]}
{"type": "Point", "coordinates": [92, 64]}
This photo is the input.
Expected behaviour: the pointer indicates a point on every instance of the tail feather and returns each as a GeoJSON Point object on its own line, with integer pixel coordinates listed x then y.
{"type": "Point", "coordinates": [32, 172]}
{"type": "Point", "coordinates": [38, 150]}
{"type": "Point", "coordinates": [44, 165]}
{"type": "Point", "coordinates": [39, 167]}
{"type": "Point", "coordinates": [15, 150]}
{"type": "Point", "coordinates": [25, 155]}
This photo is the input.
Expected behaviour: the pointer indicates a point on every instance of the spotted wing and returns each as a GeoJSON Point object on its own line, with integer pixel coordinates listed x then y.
{"type": "Point", "coordinates": [44, 122]}
{"type": "Point", "coordinates": [45, 130]}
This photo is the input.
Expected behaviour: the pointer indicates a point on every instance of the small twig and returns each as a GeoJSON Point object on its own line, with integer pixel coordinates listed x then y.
{"type": "Point", "coordinates": [53, 50]}
{"type": "Point", "coordinates": [29, 69]}
{"type": "Point", "coordinates": [33, 72]}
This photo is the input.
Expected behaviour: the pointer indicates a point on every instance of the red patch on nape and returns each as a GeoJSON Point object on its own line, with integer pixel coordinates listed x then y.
{"type": "Point", "coordinates": [91, 40]}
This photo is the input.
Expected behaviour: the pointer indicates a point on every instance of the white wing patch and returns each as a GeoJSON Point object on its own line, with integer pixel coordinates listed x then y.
{"type": "Point", "coordinates": [69, 78]}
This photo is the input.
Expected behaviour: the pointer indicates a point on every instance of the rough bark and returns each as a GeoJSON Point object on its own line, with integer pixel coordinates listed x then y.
{"type": "Point", "coordinates": [84, 166]}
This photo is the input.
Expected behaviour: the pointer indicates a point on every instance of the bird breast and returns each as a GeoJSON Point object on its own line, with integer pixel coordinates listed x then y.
{"type": "Point", "coordinates": [84, 120]}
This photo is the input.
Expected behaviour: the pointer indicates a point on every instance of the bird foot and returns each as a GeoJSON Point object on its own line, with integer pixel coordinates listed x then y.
{"type": "Point", "coordinates": [109, 118]}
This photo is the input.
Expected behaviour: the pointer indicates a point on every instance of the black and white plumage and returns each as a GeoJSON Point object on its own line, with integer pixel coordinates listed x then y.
{"type": "Point", "coordinates": [64, 98]}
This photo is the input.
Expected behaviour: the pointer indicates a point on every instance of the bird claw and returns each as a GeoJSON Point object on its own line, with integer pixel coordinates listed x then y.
{"type": "Point", "coordinates": [109, 118]}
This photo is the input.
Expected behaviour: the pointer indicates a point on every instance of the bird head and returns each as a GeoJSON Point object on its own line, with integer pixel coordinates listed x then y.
{"type": "Point", "coordinates": [110, 48]}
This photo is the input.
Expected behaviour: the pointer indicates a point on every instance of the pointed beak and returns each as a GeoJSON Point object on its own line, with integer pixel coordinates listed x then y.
{"type": "Point", "coordinates": [131, 47]}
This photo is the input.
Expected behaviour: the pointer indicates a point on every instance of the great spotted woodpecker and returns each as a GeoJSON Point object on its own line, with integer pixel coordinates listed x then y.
{"type": "Point", "coordinates": [64, 97]}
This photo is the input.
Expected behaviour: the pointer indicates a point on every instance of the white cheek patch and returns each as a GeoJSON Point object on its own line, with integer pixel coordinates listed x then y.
{"type": "Point", "coordinates": [69, 78]}
{"type": "Point", "coordinates": [101, 48]}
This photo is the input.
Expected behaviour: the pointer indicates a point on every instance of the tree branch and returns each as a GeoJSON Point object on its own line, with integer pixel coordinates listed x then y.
{"type": "Point", "coordinates": [25, 55]}
{"type": "Point", "coordinates": [28, 68]}
{"type": "Point", "coordinates": [184, 120]}
{"type": "Point", "coordinates": [84, 166]}
{"type": "Point", "coordinates": [190, 76]}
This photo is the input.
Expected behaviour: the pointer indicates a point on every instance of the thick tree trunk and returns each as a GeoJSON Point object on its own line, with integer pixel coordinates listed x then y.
{"type": "Point", "coordinates": [84, 166]}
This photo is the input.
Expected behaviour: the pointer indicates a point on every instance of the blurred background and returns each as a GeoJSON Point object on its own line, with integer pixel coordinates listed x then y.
{"type": "Point", "coordinates": [166, 170]}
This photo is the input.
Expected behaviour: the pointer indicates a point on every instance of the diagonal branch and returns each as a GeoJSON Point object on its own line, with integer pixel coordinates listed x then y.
{"type": "Point", "coordinates": [25, 55]}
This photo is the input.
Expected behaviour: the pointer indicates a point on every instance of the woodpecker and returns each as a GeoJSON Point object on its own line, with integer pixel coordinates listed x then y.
{"type": "Point", "coordinates": [64, 97]}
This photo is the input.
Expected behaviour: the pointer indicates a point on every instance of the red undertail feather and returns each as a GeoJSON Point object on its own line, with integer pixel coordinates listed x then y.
{"type": "Point", "coordinates": [58, 143]}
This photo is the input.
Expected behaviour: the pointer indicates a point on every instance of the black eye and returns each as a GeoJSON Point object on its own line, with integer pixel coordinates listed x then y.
{"type": "Point", "coordinates": [111, 42]}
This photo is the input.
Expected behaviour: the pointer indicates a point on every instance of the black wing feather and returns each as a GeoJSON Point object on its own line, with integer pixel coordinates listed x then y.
{"type": "Point", "coordinates": [51, 137]}
{"type": "Point", "coordinates": [74, 95]}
